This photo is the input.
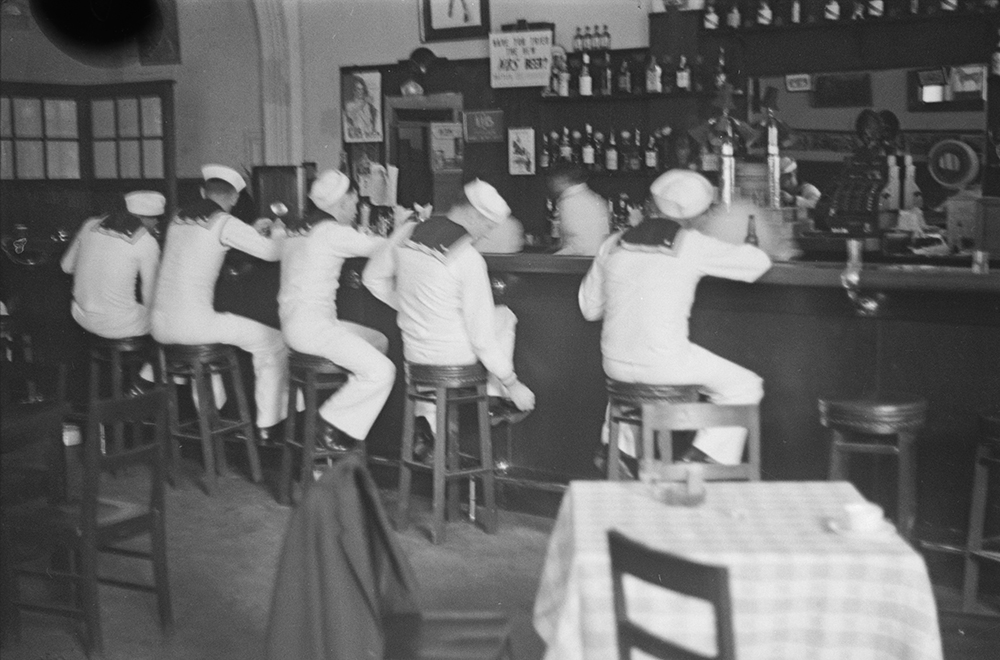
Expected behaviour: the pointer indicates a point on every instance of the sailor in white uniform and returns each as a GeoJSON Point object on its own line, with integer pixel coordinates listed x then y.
{"type": "Point", "coordinates": [431, 273]}
{"type": "Point", "coordinates": [196, 244]}
{"type": "Point", "coordinates": [642, 284]}
{"type": "Point", "coordinates": [106, 258]}
{"type": "Point", "coordinates": [801, 195]}
{"type": "Point", "coordinates": [584, 217]}
{"type": "Point", "coordinates": [312, 257]}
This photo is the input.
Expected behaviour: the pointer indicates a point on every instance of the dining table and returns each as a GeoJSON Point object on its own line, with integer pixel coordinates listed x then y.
{"type": "Point", "coordinates": [801, 586]}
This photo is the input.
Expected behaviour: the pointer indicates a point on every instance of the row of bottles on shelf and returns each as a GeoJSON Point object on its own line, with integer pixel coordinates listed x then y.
{"type": "Point", "coordinates": [588, 41]}
{"type": "Point", "coordinates": [624, 151]}
{"type": "Point", "coordinates": [738, 14]}
{"type": "Point", "coordinates": [660, 75]}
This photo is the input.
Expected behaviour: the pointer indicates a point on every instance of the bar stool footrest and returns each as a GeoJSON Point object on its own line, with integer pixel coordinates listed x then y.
{"type": "Point", "coordinates": [189, 430]}
{"type": "Point", "coordinates": [867, 448]}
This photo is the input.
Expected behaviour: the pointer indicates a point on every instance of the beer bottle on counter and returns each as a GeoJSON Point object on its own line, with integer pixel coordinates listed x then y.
{"type": "Point", "coordinates": [586, 82]}
{"type": "Point", "coordinates": [611, 154]}
{"type": "Point", "coordinates": [543, 154]}
{"type": "Point", "coordinates": [652, 154]}
{"type": "Point", "coordinates": [587, 150]}
{"type": "Point", "coordinates": [751, 237]}
{"type": "Point", "coordinates": [624, 78]}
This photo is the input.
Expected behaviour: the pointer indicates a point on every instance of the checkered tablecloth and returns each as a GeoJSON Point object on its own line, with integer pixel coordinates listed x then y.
{"type": "Point", "coordinates": [798, 589]}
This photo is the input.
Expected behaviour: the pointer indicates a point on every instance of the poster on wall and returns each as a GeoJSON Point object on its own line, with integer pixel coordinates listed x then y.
{"type": "Point", "coordinates": [442, 20]}
{"type": "Point", "coordinates": [520, 59]}
{"type": "Point", "coordinates": [521, 151]}
{"type": "Point", "coordinates": [361, 92]}
{"type": "Point", "coordinates": [447, 147]}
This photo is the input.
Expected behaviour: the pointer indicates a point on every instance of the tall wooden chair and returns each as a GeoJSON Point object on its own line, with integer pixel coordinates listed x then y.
{"type": "Point", "coordinates": [678, 574]}
{"type": "Point", "coordinates": [660, 419]}
{"type": "Point", "coordinates": [96, 524]}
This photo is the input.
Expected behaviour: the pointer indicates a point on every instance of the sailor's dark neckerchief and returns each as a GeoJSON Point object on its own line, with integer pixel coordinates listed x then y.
{"type": "Point", "coordinates": [122, 225]}
{"type": "Point", "coordinates": [437, 237]}
{"type": "Point", "coordinates": [653, 235]}
{"type": "Point", "coordinates": [203, 213]}
{"type": "Point", "coordinates": [305, 225]}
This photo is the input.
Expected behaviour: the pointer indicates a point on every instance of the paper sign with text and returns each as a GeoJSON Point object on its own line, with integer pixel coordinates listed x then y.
{"type": "Point", "coordinates": [483, 125]}
{"type": "Point", "coordinates": [520, 59]}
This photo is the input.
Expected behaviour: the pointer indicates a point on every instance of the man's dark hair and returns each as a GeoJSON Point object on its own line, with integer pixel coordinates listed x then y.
{"type": "Point", "coordinates": [572, 172]}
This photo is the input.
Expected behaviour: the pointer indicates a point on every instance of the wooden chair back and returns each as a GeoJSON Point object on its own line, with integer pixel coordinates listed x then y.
{"type": "Point", "coordinates": [677, 574]}
{"type": "Point", "coordinates": [661, 419]}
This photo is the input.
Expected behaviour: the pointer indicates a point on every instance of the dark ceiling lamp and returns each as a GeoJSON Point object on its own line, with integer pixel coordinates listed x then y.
{"type": "Point", "coordinates": [421, 60]}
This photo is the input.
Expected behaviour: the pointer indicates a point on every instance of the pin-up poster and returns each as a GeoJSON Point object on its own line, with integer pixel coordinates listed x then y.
{"type": "Point", "coordinates": [361, 92]}
{"type": "Point", "coordinates": [521, 151]}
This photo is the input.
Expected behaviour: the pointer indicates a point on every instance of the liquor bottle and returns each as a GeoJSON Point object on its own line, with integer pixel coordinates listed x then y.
{"type": "Point", "coordinates": [596, 41]}
{"type": "Point", "coordinates": [605, 39]}
{"type": "Point", "coordinates": [588, 40]}
{"type": "Point", "coordinates": [598, 151]}
{"type": "Point", "coordinates": [555, 230]}
{"type": "Point", "coordinates": [587, 150]}
{"type": "Point", "coordinates": [624, 147]}
{"type": "Point", "coordinates": [831, 12]}
{"type": "Point", "coordinates": [914, 7]}
{"type": "Point", "coordinates": [876, 8]}
{"type": "Point", "coordinates": [733, 18]}
{"type": "Point", "coordinates": [624, 81]}
{"type": "Point", "coordinates": [751, 237]}
{"type": "Point", "coordinates": [764, 14]}
{"type": "Point", "coordinates": [620, 216]}
{"type": "Point", "coordinates": [553, 148]}
{"type": "Point", "coordinates": [586, 82]}
{"type": "Point", "coordinates": [666, 148]}
{"type": "Point", "coordinates": [710, 21]}
{"type": "Point", "coordinates": [654, 82]}
{"type": "Point", "coordinates": [635, 153]}
{"type": "Point", "coordinates": [576, 146]}
{"type": "Point", "coordinates": [578, 40]}
{"type": "Point", "coordinates": [683, 75]}
{"type": "Point", "coordinates": [949, 5]}
{"type": "Point", "coordinates": [720, 69]}
{"type": "Point", "coordinates": [563, 79]}
{"type": "Point", "coordinates": [607, 76]}
{"type": "Point", "coordinates": [611, 154]}
{"type": "Point", "coordinates": [669, 76]}
{"type": "Point", "coordinates": [565, 148]}
{"type": "Point", "coordinates": [796, 12]}
{"type": "Point", "coordinates": [543, 154]}
{"type": "Point", "coordinates": [858, 10]}
{"type": "Point", "coordinates": [652, 155]}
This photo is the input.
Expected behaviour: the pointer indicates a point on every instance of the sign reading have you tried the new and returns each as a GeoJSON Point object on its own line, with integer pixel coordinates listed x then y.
{"type": "Point", "coordinates": [520, 59]}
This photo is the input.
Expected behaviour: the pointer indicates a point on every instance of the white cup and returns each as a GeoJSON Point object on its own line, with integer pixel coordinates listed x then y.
{"type": "Point", "coordinates": [862, 517]}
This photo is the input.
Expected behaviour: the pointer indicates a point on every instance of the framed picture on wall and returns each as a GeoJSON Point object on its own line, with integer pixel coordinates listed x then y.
{"type": "Point", "coordinates": [361, 109]}
{"type": "Point", "coordinates": [449, 20]}
{"type": "Point", "coordinates": [521, 151]}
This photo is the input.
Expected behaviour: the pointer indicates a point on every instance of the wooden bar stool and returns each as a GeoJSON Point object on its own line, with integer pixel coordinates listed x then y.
{"type": "Point", "coordinates": [199, 362]}
{"type": "Point", "coordinates": [309, 374]}
{"type": "Point", "coordinates": [625, 406]}
{"type": "Point", "coordinates": [115, 366]}
{"type": "Point", "coordinates": [448, 387]}
{"type": "Point", "coordinates": [978, 549]}
{"type": "Point", "coordinates": [899, 415]}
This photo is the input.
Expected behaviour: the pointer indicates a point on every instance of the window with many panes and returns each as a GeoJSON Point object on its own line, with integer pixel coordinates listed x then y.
{"type": "Point", "coordinates": [127, 137]}
{"type": "Point", "coordinates": [39, 138]}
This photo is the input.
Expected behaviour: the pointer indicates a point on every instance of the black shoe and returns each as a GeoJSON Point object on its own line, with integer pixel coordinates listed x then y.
{"type": "Point", "coordinates": [627, 465]}
{"type": "Point", "coordinates": [423, 441]}
{"type": "Point", "coordinates": [331, 438]}
{"type": "Point", "coordinates": [271, 436]}
{"type": "Point", "coordinates": [139, 387]}
{"type": "Point", "coordinates": [503, 410]}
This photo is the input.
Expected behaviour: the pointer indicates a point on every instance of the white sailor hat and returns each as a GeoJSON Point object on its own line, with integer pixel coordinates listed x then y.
{"type": "Point", "coordinates": [145, 202]}
{"type": "Point", "coordinates": [485, 199]}
{"type": "Point", "coordinates": [682, 194]}
{"type": "Point", "coordinates": [328, 189]}
{"type": "Point", "coordinates": [788, 165]}
{"type": "Point", "coordinates": [227, 174]}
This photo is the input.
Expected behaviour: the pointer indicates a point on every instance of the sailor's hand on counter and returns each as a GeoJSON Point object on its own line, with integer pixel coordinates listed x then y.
{"type": "Point", "coordinates": [263, 226]}
{"type": "Point", "coordinates": [522, 397]}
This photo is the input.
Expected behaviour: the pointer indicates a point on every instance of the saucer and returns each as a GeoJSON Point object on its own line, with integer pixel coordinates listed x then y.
{"type": "Point", "coordinates": [885, 529]}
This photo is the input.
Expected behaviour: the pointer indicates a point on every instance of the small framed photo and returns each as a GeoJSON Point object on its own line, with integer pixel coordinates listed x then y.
{"type": "Point", "coordinates": [798, 82]}
{"type": "Point", "coordinates": [449, 20]}
{"type": "Point", "coordinates": [521, 151]}
{"type": "Point", "coordinates": [361, 94]}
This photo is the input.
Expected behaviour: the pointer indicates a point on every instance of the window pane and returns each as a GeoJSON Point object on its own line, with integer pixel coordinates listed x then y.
{"type": "Point", "coordinates": [103, 118]}
{"type": "Point", "coordinates": [128, 159]}
{"type": "Point", "coordinates": [152, 159]}
{"type": "Point", "coordinates": [29, 159]}
{"type": "Point", "coordinates": [105, 160]}
{"type": "Point", "coordinates": [63, 159]}
{"type": "Point", "coordinates": [6, 159]}
{"type": "Point", "coordinates": [5, 125]}
{"type": "Point", "coordinates": [128, 118]}
{"type": "Point", "coordinates": [60, 118]}
{"type": "Point", "coordinates": [152, 116]}
{"type": "Point", "coordinates": [27, 118]}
